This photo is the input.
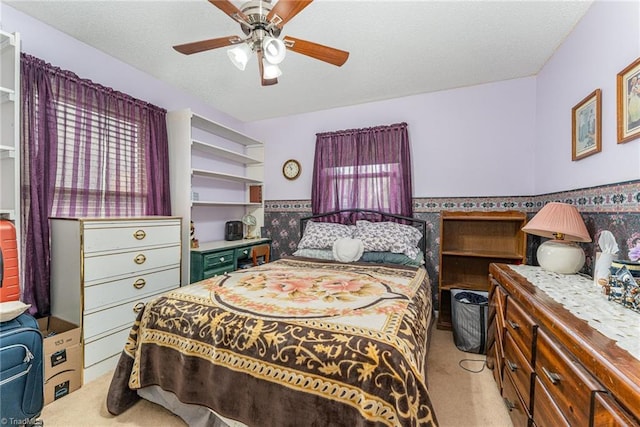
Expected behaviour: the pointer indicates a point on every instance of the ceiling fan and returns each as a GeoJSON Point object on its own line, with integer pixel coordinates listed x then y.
{"type": "Point", "coordinates": [262, 23]}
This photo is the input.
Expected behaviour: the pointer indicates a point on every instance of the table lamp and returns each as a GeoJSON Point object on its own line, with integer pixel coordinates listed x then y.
{"type": "Point", "coordinates": [563, 224]}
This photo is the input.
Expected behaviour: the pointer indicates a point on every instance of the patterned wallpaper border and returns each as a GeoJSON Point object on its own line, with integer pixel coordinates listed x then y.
{"type": "Point", "coordinates": [619, 197]}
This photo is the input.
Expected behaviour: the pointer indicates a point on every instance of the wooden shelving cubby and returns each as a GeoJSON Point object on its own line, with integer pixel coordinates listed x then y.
{"type": "Point", "coordinates": [469, 242]}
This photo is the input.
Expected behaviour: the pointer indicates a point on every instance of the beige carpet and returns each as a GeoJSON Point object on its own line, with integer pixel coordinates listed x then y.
{"type": "Point", "coordinates": [460, 398]}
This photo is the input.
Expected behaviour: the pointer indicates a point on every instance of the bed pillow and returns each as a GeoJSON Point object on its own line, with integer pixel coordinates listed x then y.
{"type": "Point", "coordinates": [393, 258]}
{"type": "Point", "coordinates": [388, 237]}
{"type": "Point", "coordinates": [322, 235]}
{"type": "Point", "coordinates": [11, 309]}
{"type": "Point", "coordinates": [347, 249]}
{"type": "Point", "coordinates": [315, 253]}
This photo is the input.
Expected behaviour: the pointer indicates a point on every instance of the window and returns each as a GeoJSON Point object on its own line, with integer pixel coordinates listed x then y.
{"type": "Point", "coordinates": [364, 168]}
{"type": "Point", "coordinates": [87, 150]}
{"type": "Point", "coordinates": [361, 186]}
{"type": "Point", "coordinates": [101, 153]}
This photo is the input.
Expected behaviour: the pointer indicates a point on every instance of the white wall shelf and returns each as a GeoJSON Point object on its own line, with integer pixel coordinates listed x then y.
{"type": "Point", "coordinates": [215, 203]}
{"type": "Point", "coordinates": [224, 176]}
{"type": "Point", "coordinates": [10, 130]}
{"type": "Point", "coordinates": [220, 165]}
{"type": "Point", "coordinates": [225, 132]}
{"type": "Point", "coordinates": [224, 153]}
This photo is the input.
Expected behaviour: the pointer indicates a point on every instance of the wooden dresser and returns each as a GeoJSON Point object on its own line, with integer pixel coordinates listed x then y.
{"type": "Point", "coordinates": [552, 354]}
{"type": "Point", "coordinates": [103, 271]}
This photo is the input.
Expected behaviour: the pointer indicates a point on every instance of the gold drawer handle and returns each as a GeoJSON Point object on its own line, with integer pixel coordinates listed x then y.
{"type": "Point", "coordinates": [512, 366]}
{"type": "Point", "coordinates": [553, 377]}
{"type": "Point", "coordinates": [140, 259]}
{"type": "Point", "coordinates": [139, 306]}
{"type": "Point", "coordinates": [139, 284]}
{"type": "Point", "coordinates": [513, 324]}
{"type": "Point", "coordinates": [509, 404]}
{"type": "Point", "coordinates": [140, 234]}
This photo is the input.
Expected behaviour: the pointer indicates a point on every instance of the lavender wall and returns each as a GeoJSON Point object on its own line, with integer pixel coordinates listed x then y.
{"type": "Point", "coordinates": [603, 43]}
{"type": "Point", "coordinates": [507, 138]}
{"type": "Point", "coordinates": [469, 141]}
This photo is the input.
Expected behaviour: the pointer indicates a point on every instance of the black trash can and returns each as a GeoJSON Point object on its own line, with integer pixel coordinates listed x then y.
{"type": "Point", "coordinates": [469, 312]}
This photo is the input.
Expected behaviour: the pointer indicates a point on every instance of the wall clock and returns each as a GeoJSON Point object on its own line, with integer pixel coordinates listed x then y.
{"type": "Point", "coordinates": [291, 169]}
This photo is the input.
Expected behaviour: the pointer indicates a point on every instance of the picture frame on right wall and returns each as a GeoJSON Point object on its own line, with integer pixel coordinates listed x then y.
{"type": "Point", "coordinates": [628, 102]}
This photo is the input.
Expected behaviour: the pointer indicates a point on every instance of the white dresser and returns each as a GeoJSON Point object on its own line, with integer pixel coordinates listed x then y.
{"type": "Point", "coordinates": [103, 271]}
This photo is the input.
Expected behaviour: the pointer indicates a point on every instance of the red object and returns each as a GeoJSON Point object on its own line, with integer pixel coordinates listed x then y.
{"type": "Point", "coordinates": [9, 275]}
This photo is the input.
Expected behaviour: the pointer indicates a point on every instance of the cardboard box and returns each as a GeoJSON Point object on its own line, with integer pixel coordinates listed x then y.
{"type": "Point", "coordinates": [62, 373]}
{"type": "Point", "coordinates": [62, 357]}
{"type": "Point", "coordinates": [58, 333]}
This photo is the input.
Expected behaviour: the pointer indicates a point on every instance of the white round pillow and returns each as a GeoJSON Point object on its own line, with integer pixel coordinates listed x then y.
{"type": "Point", "coordinates": [347, 249]}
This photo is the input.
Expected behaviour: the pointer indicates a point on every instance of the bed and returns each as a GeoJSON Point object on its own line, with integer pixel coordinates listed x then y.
{"type": "Point", "coordinates": [306, 340]}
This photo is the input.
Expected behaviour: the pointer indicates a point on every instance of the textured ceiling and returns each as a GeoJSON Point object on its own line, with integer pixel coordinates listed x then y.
{"type": "Point", "coordinates": [397, 48]}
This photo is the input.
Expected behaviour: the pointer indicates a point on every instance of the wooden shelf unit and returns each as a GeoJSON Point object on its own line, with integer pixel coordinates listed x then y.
{"type": "Point", "coordinates": [469, 242]}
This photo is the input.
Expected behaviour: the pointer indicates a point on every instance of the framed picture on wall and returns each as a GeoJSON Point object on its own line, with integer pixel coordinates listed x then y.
{"type": "Point", "coordinates": [628, 102]}
{"type": "Point", "coordinates": [586, 126]}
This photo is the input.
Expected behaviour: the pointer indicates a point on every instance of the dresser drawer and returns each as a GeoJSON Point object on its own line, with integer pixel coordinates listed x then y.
{"type": "Point", "coordinates": [517, 410]}
{"type": "Point", "coordinates": [518, 367]}
{"type": "Point", "coordinates": [545, 412]}
{"type": "Point", "coordinates": [217, 260]}
{"type": "Point", "coordinates": [101, 236]}
{"type": "Point", "coordinates": [520, 326]}
{"type": "Point", "coordinates": [497, 368]}
{"type": "Point", "coordinates": [217, 271]}
{"type": "Point", "coordinates": [499, 296]}
{"type": "Point", "coordinates": [491, 342]}
{"type": "Point", "coordinates": [109, 293]}
{"type": "Point", "coordinates": [103, 321]}
{"type": "Point", "coordinates": [243, 253]}
{"type": "Point", "coordinates": [569, 385]}
{"type": "Point", "coordinates": [123, 264]}
{"type": "Point", "coordinates": [108, 346]}
{"type": "Point", "coordinates": [607, 412]}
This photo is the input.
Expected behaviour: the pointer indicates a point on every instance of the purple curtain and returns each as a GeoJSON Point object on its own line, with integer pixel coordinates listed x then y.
{"type": "Point", "coordinates": [363, 168]}
{"type": "Point", "coordinates": [87, 150]}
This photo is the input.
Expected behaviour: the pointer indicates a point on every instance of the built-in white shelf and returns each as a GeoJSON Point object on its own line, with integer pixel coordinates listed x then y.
{"type": "Point", "coordinates": [214, 203]}
{"type": "Point", "coordinates": [7, 95]}
{"type": "Point", "coordinates": [224, 176]}
{"type": "Point", "coordinates": [224, 153]}
{"type": "Point", "coordinates": [201, 155]}
{"type": "Point", "coordinates": [9, 214]}
{"type": "Point", "coordinates": [207, 125]}
{"type": "Point", "coordinates": [10, 191]}
{"type": "Point", "coordinates": [7, 40]}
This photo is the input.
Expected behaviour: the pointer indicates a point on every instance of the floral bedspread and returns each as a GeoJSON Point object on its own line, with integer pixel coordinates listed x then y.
{"type": "Point", "coordinates": [294, 342]}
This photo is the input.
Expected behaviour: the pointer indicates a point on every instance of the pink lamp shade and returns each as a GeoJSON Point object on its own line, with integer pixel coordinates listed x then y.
{"type": "Point", "coordinates": [564, 225]}
{"type": "Point", "coordinates": [558, 221]}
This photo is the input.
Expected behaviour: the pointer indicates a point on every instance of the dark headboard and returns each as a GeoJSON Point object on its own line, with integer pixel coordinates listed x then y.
{"type": "Point", "coordinates": [350, 216]}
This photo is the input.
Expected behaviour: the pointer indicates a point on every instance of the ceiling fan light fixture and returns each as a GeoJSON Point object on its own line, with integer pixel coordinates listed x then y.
{"type": "Point", "coordinates": [240, 55]}
{"type": "Point", "coordinates": [274, 50]}
{"type": "Point", "coordinates": [271, 71]}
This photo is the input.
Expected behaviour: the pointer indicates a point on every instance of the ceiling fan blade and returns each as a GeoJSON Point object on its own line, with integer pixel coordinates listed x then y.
{"type": "Point", "coordinates": [202, 45]}
{"type": "Point", "coordinates": [227, 7]}
{"type": "Point", "coordinates": [265, 82]}
{"type": "Point", "coordinates": [284, 10]}
{"type": "Point", "coordinates": [323, 53]}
